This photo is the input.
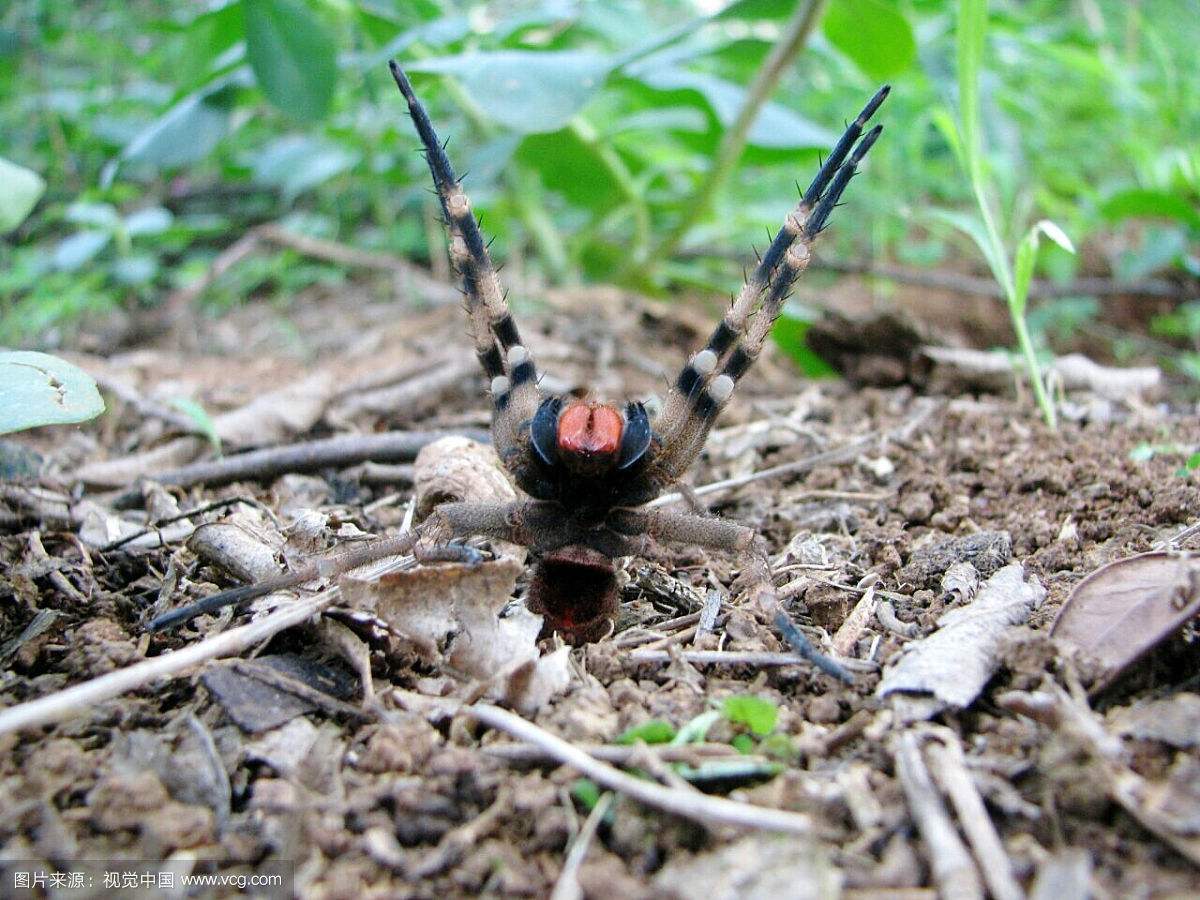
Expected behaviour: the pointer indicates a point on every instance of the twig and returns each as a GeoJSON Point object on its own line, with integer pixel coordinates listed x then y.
{"type": "Point", "coordinates": [567, 887]}
{"type": "Point", "coordinates": [65, 703]}
{"type": "Point", "coordinates": [886, 614]}
{"type": "Point", "coordinates": [344, 450]}
{"type": "Point", "coordinates": [825, 457]}
{"type": "Point", "coordinates": [757, 658]}
{"type": "Point", "coordinates": [950, 772]}
{"type": "Point", "coordinates": [159, 523]}
{"type": "Point", "coordinates": [953, 869]}
{"type": "Point", "coordinates": [855, 623]}
{"type": "Point", "coordinates": [617, 755]}
{"type": "Point", "coordinates": [687, 804]}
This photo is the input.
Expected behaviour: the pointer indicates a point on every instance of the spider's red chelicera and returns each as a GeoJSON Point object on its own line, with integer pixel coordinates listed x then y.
{"type": "Point", "coordinates": [587, 467]}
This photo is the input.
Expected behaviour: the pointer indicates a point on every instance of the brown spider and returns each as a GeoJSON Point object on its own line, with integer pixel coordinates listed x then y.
{"type": "Point", "coordinates": [587, 465]}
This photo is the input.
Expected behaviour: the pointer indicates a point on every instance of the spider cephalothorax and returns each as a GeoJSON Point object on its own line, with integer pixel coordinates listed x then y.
{"type": "Point", "coordinates": [589, 467]}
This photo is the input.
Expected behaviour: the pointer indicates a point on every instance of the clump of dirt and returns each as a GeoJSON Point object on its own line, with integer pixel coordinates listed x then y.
{"type": "Point", "coordinates": [406, 796]}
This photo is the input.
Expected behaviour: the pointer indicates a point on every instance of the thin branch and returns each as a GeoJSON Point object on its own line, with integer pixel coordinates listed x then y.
{"type": "Point", "coordinates": [825, 457]}
{"type": "Point", "coordinates": [82, 697]}
{"type": "Point", "coordinates": [567, 887]}
{"type": "Point", "coordinates": [687, 804]}
{"type": "Point", "coordinates": [344, 450]}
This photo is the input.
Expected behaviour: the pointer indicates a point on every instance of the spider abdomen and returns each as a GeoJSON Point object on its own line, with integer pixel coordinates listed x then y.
{"type": "Point", "coordinates": [575, 589]}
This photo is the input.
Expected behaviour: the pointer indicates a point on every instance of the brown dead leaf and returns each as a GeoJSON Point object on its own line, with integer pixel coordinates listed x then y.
{"type": "Point", "coordinates": [451, 614]}
{"type": "Point", "coordinates": [1123, 610]}
{"type": "Point", "coordinates": [955, 662]}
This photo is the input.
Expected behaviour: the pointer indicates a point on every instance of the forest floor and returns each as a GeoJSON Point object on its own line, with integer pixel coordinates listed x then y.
{"type": "Point", "coordinates": [218, 768]}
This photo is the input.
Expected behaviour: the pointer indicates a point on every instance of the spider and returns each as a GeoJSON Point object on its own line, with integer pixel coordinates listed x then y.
{"type": "Point", "coordinates": [587, 466]}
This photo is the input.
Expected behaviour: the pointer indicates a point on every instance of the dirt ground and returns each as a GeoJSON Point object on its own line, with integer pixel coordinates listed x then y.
{"type": "Point", "coordinates": [413, 798]}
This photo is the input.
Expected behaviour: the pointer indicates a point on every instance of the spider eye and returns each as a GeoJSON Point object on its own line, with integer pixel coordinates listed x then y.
{"type": "Point", "coordinates": [543, 429]}
{"type": "Point", "coordinates": [636, 440]}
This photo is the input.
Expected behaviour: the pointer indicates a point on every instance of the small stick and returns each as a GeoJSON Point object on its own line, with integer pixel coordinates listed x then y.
{"type": "Point", "coordinates": [825, 457]}
{"type": "Point", "coordinates": [335, 452]}
{"type": "Point", "coordinates": [687, 804]}
{"type": "Point", "coordinates": [82, 697]}
{"type": "Point", "coordinates": [953, 869]}
{"type": "Point", "coordinates": [851, 630]}
{"type": "Point", "coordinates": [694, 754]}
{"type": "Point", "coordinates": [757, 658]}
{"type": "Point", "coordinates": [567, 887]}
{"type": "Point", "coordinates": [950, 772]}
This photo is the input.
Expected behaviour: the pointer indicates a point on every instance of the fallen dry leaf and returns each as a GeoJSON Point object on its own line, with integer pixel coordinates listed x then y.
{"type": "Point", "coordinates": [451, 614]}
{"type": "Point", "coordinates": [955, 662]}
{"type": "Point", "coordinates": [1123, 610]}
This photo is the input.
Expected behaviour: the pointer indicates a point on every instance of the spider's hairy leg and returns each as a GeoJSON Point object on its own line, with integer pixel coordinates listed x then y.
{"type": "Point", "coordinates": [428, 542]}
{"type": "Point", "coordinates": [707, 381]}
{"type": "Point", "coordinates": [506, 361]}
{"type": "Point", "coordinates": [730, 537]}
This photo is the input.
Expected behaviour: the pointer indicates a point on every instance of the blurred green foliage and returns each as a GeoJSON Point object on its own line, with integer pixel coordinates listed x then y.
{"type": "Point", "coordinates": [165, 131]}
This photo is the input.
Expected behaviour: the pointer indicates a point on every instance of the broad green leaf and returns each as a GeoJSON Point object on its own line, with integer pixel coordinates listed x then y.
{"type": "Point", "coordinates": [185, 133]}
{"type": "Point", "coordinates": [293, 56]}
{"type": "Point", "coordinates": [755, 713]}
{"type": "Point", "coordinates": [38, 389]}
{"type": "Point", "coordinates": [296, 163]}
{"type": "Point", "coordinates": [776, 126]}
{"type": "Point", "coordinates": [873, 34]}
{"type": "Point", "coordinates": [1139, 202]}
{"type": "Point", "coordinates": [98, 215]}
{"type": "Point", "coordinates": [526, 91]}
{"type": "Point", "coordinates": [79, 248]}
{"type": "Point", "coordinates": [151, 220]}
{"type": "Point", "coordinates": [20, 190]}
{"type": "Point", "coordinates": [654, 731]}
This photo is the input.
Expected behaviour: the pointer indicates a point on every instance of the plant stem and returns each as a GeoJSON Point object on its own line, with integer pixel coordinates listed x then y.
{"type": "Point", "coordinates": [586, 134]}
{"type": "Point", "coordinates": [733, 142]}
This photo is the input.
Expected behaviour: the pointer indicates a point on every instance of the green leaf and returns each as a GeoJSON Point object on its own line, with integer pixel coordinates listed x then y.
{"type": "Point", "coordinates": [297, 163]}
{"type": "Point", "coordinates": [187, 132]}
{"type": "Point", "coordinates": [293, 56]}
{"type": "Point", "coordinates": [80, 248]}
{"type": "Point", "coordinates": [974, 228]}
{"type": "Point", "coordinates": [20, 190]}
{"type": "Point", "coordinates": [1139, 202]}
{"type": "Point", "coordinates": [1193, 462]}
{"type": "Point", "coordinates": [203, 421]}
{"type": "Point", "coordinates": [586, 792]}
{"type": "Point", "coordinates": [789, 332]}
{"type": "Point", "coordinates": [526, 91]}
{"type": "Point", "coordinates": [776, 126]}
{"type": "Point", "coordinates": [697, 729]}
{"type": "Point", "coordinates": [755, 713]}
{"type": "Point", "coordinates": [742, 743]}
{"type": "Point", "coordinates": [873, 34]}
{"type": "Point", "coordinates": [38, 389]}
{"type": "Point", "coordinates": [654, 731]}
{"type": "Point", "coordinates": [151, 220]}
{"type": "Point", "coordinates": [1023, 270]}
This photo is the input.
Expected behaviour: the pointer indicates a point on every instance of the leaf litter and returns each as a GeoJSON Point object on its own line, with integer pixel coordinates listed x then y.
{"type": "Point", "coordinates": [405, 791]}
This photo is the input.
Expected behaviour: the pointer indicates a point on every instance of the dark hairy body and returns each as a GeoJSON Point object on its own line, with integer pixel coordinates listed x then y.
{"type": "Point", "coordinates": [588, 466]}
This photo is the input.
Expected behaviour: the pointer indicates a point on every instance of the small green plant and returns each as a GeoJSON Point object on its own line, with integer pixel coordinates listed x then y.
{"type": "Point", "coordinates": [1014, 279]}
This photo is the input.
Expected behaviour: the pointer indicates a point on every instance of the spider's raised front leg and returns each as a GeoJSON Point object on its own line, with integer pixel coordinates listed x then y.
{"type": "Point", "coordinates": [707, 381]}
{"type": "Point", "coordinates": [505, 359]}
{"type": "Point", "coordinates": [730, 537]}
